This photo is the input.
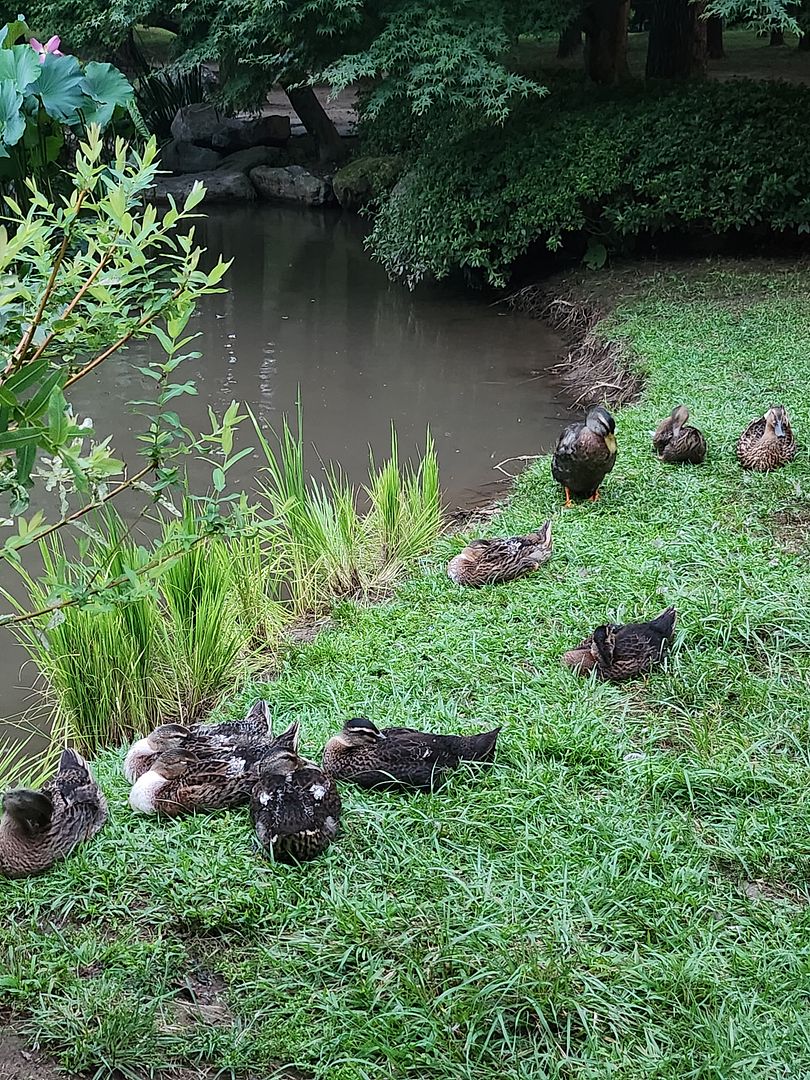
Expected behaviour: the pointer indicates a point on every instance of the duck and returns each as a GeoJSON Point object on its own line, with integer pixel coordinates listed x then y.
{"type": "Point", "coordinates": [584, 455]}
{"type": "Point", "coordinates": [399, 757]}
{"type": "Point", "coordinates": [492, 561]}
{"type": "Point", "coordinates": [40, 828]}
{"type": "Point", "coordinates": [188, 779]}
{"type": "Point", "coordinates": [252, 730]}
{"type": "Point", "coordinates": [295, 807]}
{"type": "Point", "coordinates": [619, 652]}
{"type": "Point", "coordinates": [678, 442]}
{"type": "Point", "coordinates": [767, 443]}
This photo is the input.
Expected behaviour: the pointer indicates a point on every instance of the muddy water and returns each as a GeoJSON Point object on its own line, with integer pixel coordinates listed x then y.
{"type": "Point", "coordinates": [307, 310]}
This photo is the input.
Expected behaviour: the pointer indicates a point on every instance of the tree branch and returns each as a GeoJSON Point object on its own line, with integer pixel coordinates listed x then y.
{"type": "Point", "coordinates": [18, 357]}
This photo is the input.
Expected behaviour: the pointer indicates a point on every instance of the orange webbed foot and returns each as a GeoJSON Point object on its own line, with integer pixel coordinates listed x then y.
{"type": "Point", "coordinates": [595, 496]}
{"type": "Point", "coordinates": [568, 503]}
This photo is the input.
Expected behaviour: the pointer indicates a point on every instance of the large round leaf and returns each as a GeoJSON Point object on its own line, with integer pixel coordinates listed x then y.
{"type": "Point", "coordinates": [107, 88]}
{"type": "Point", "coordinates": [21, 65]}
{"type": "Point", "coordinates": [60, 87]}
{"type": "Point", "coordinates": [12, 121]}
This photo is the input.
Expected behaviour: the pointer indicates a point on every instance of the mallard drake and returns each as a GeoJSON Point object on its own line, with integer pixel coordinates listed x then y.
{"type": "Point", "coordinates": [676, 441]}
{"type": "Point", "coordinates": [401, 757]}
{"type": "Point", "coordinates": [252, 730]}
{"type": "Point", "coordinates": [295, 807]}
{"type": "Point", "coordinates": [767, 443]}
{"type": "Point", "coordinates": [621, 652]}
{"type": "Point", "coordinates": [38, 828]}
{"type": "Point", "coordinates": [185, 780]}
{"type": "Point", "coordinates": [584, 455]}
{"type": "Point", "coordinates": [489, 562]}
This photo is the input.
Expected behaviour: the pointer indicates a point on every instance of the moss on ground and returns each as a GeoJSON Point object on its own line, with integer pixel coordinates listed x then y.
{"type": "Point", "coordinates": [623, 894]}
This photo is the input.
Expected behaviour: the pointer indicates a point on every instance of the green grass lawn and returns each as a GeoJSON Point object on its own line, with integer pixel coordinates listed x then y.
{"type": "Point", "coordinates": [624, 894]}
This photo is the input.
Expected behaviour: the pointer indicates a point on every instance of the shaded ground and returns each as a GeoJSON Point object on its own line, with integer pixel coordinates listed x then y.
{"type": "Point", "coordinates": [18, 1062]}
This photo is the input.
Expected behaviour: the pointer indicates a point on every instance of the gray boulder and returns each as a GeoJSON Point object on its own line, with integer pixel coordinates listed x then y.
{"type": "Point", "coordinates": [292, 184]}
{"type": "Point", "coordinates": [221, 187]}
{"type": "Point", "coordinates": [245, 160]}
{"type": "Point", "coordinates": [241, 132]}
{"type": "Point", "coordinates": [185, 157]}
{"type": "Point", "coordinates": [197, 124]}
{"type": "Point", "coordinates": [207, 126]}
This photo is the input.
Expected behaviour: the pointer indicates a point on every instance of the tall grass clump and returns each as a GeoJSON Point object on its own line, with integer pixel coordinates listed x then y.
{"type": "Point", "coordinates": [204, 636]}
{"type": "Point", "coordinates": [335, 550]}
{"type": "Point", "coordinates": [101, 664]}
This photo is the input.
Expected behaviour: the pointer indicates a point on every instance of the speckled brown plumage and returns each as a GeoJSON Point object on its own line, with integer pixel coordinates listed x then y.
{"type": "Point", "coordinates": [492, 561]}
{"type": "Point", "coordinates": [585, 454]}
{"type": "Point", "coordinates": [678, 442]}
{"type": "Point", "coordinates": [186, 781]}
{"type": "Point", "coordinates": [767, 443]}
{"type": "Point", "coordinates": [39, 828]}
{"type": "Point", "coordinates": [252, 730]}
{"type": "Point", "coordinates": [622, 652]}
{"type": "Point", "coordinates": [401, 757]}
{"type": "Point", "coordinates": [295, 808]}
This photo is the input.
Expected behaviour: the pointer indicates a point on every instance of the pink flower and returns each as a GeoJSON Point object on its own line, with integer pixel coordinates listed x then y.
{"type": "Point", "coordinates": [51, 46]}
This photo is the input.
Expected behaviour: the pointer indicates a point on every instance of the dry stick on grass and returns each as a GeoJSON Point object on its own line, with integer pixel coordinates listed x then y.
{"type": "Point", "coordinates": [517, 457]}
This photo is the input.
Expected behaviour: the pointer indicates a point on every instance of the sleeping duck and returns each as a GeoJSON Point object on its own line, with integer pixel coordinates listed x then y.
{"type": "Point", "coordinates": [584, 455]}
{"type": "Point", "coordinates": [678, 442]}
{"type": "Point", "coordinates": [252, 730]}
{"type": "Point", "coordinates": [767, 443]}
{"type": "Point", "coordinates": [38, 828]}
{"type": "Point", "coordinates": [401, 757]}
{"type": "Point", "coordinates": [188, 779]}
{"type": "Point", "coordinates": [492, 561]}
{"type": "Point", "coordinates": [295, 807]}
{"type": "Point", "coordinates": [622, 652]}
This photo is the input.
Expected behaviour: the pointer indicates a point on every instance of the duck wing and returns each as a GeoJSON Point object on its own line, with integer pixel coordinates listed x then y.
{"type": "Point", "coordinates": [79, 806]}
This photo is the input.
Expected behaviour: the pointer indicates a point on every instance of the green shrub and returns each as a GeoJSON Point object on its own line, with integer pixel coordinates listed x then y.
{"type": "Point", "coordinates": [615, 165]}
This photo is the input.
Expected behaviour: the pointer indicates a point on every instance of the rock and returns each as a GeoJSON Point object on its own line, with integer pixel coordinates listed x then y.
{"type": "Point", "coordinates": [292, 184]}
{"type": "Point", "coordinates": [245, 160]}
{"type": "Point", "coordinates": [364, 180]}
{"type": "Point", "coordinates": [241, 132]}
{"type": "Point", "coordinates": [221, 187]}
{"type": "Point", "coordinates": [205, 125]}
{"type": "Point", "coordinates": [185, 157]}
{"type": "Point", "coordinates": [197, 124]}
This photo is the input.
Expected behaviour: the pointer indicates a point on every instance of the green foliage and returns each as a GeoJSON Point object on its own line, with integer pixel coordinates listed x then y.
{"type": "Point", "coordinates": [161, 93]}
{"type": "Point", "coordinates": [330, 549]}
{"type": "Point", "coordinates": [612, 166]}
{"type": "Point", "coordinates": [42, 94]}
{"type": "Point", "coordinates": [80, 279]}
{"type": "Point", "coordinates": [624, 894]}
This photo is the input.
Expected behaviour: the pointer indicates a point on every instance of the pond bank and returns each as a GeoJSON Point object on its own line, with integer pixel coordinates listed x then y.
{"type": "Point", "coordinates": [624, 892]}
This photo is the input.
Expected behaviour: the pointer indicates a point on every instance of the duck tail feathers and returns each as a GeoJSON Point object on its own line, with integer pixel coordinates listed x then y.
{"type": "Point", "coordinates": [478, 747]}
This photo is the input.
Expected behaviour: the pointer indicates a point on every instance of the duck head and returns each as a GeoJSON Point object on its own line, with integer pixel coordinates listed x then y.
{"type": "Point", "coordinates": [30, 810]}
{"type": "Point", "coordinates": [777, 423]}
{"type": "Point", "coordinates": [360, 731]}
{"type": "Point", "coordinates": [279, 761]}
{"type": "Point", "coordinates": [601, 423]}
{"type": "Point", "coordinates": [679, 419]}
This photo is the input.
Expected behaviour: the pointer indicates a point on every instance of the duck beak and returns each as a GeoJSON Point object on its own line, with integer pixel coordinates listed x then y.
{"type": "Point", "coordinates": [381, 735]}
{"type": "Point", "coordinates": [779, 429]}
{"type": "Point", "coordinates": [610, 443]}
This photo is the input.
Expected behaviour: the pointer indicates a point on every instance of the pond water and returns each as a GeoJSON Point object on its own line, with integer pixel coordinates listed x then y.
{"type": "Point", "coordinates": [308, 311]}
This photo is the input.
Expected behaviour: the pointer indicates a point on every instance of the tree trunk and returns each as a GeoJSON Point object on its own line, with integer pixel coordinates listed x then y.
{"type": "Point", "coordinates": [714, 38]}
{"type": "Point", "coordinates": [605, 24]}
{"type": "Point", "coordinates": [677, 44]}
{"type": "Point", "coordinates": [570, 41]}
{"type": "Point", "coordinates": [777, 38]}
{"type": "Point", "coordinates": [315, 119]}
